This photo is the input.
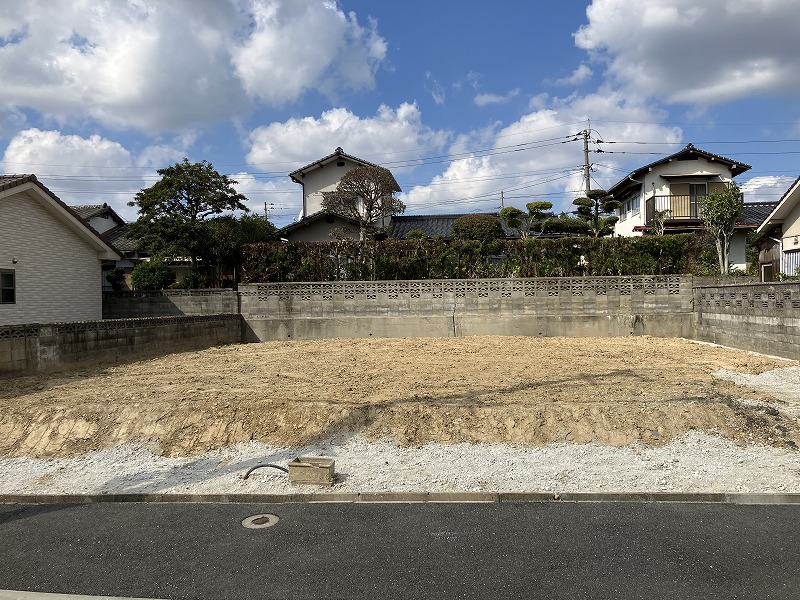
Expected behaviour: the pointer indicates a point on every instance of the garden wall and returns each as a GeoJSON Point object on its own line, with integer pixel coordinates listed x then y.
{"type": "Point", "coordinates": [569, 306]}
{"type": "Point", "coordinates": [40, 348]}
{"type": "Point", "coordinates": [133, 305]}
{"type": "Point", "coordinates": [762, 318]}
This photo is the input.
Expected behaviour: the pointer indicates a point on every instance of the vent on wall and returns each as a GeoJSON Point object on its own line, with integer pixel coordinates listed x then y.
{"type": "Point", "coordinates": [339, 163]}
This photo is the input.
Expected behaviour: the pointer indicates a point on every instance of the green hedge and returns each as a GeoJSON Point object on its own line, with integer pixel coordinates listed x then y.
{"type": "Point", "coordinates": [352, 260]}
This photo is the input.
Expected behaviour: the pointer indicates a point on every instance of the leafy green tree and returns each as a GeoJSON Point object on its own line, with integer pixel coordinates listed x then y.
{"type": "Point", "coordinates": [226, 235]}
{"type": "Point", "coordinates": [565, 223]}
{"type": "Point", "coordinates": [529, 223]}
{"type": "Point", "coordinates": [153, 274]}
{"type": "Point", "coordinates": [484, 228]}
{"type": "Point", "coordinates": [365, 194]}
{"type": "Point", "coordinates": [597, 210]}
{"type": "Point", "coordinates": [173, 212]}
{"type": "Point", "coordinates": [719, 211]}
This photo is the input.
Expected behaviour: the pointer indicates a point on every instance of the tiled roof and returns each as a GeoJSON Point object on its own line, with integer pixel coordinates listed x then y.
{"type": "Point", "coordinates": [87, 211]}
{"type": "Point", "coordinates": [737, 167]}
{"type": "Point", "coordinates": [119, 238]}
{"type": "Point", "coordinates": [436, 225]}
{"type": "Point", "coordinates": [313, 218]}
{"type": "Point", "coordinates": [754, 213]}
{"type": "Point", "coordinates": [338, 153]}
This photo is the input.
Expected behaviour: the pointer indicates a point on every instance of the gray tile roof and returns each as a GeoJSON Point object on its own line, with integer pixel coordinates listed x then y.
{"type": "Point", "coordinates": [435, 225]}
{"type": "Point", "coordinates": [754, 213]}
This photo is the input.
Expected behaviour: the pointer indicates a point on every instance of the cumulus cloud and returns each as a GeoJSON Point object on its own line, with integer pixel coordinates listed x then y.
{"type": "Point", "coordinates": [578, 76]}
{"type": "Point", "coordinates": [697, 53]}
{"type": "Point", "coordinates": [165, 66]}
{"type": "Point", "coordinates": [486, 99]}
{"type": "Point", "coordinates": [766, 188]}
{"type": "Point", "coordinates": [535, 159]}
{"type": "Point", "coordinates": [78, 170]}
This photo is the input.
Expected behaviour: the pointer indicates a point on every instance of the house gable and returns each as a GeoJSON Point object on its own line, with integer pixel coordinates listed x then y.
{"type": "Point", "coordinates": [323, 176]}
{"type": "Point", "coordinates": [55, 257]}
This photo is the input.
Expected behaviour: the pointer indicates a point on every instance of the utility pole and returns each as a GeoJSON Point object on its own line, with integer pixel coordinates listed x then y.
{"type": "Point", "coordinates": [502, 206]}
{"type": "Point", "coordinates": [266, 210]}
{"type": "Point", "coordinates": [586, 166]}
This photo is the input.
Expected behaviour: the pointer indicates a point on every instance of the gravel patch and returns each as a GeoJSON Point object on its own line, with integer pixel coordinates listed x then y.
{"type": "Point", "coordinates": [697, 462]}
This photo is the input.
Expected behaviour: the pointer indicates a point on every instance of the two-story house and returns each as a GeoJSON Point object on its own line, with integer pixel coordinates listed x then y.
{"type": "Point", "coordinates": [668, 191]}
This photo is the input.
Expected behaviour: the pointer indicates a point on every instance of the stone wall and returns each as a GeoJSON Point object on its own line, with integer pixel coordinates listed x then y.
{"type": "Point", "coordinates": [132, 305]}
{"type": "Point", "coordinates": [572, 306]}
{"type": "Point", "coordinates": [762, 318]}
{"type": "Point", "coordinates": [40, 348]}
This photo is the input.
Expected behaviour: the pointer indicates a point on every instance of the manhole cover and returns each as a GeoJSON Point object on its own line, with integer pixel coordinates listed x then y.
{"type": "Point", "coordinates": [260, 521]}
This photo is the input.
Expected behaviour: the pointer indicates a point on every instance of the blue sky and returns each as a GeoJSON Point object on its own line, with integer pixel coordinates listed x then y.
{"type": "Point", "coordinates": [461, 100]}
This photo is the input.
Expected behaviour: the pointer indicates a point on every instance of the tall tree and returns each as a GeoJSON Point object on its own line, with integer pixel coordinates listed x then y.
{"type": "Point", "coordinates": [173, 212]}
{"type": "Point", "coordinates": [719, 211]}
{"type": "Point", "coordinates": [597, 210]}
{"type": "Point", "coordinates": [365, 194]}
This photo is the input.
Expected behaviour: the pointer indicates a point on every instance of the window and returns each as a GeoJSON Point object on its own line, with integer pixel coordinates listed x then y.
{"type": "Point", "coordinates": [7, 290]}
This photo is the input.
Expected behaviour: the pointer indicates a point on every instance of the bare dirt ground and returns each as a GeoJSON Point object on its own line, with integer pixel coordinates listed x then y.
{"type": "Point", "coordinates": [518, 390]}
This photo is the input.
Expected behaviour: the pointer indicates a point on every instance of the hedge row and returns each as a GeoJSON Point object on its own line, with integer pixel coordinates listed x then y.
{"type": "Point", "coordinates": [437, 259]}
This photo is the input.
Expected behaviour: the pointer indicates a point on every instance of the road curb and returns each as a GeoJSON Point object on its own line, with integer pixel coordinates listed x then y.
{"type": "Point", "coordinates": [410, 497]}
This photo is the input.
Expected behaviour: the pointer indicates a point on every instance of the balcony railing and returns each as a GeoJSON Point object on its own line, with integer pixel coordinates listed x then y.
{"type": "Point", "coordinates": [679, 207]}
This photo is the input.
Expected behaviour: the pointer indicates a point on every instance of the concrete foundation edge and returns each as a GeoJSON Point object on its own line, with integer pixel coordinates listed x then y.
{"type": "Point", "coordinates": [413, 497]}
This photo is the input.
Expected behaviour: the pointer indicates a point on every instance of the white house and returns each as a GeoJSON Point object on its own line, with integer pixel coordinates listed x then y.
{"type": "Point", "coordinates": [323, 175]}
{"type": "Point", "coordinates": [780, 231]}
{"type": "Point", "coordinates": [50, 258]}
{"type": "Point", "coordinates": [671, 187]}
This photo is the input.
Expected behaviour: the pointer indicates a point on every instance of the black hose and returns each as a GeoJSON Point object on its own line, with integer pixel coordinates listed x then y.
{"type": "Point", "coordinates": [284, 469]}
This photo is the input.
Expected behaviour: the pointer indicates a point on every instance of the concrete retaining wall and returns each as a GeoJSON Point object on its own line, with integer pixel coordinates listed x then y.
{"type": "Point", "coordinates": [762, 318]}
{"type": "Point", "coordinates": [599, 306]}
{"type": "Point", "coordinates": [40, 348]}
{"type": "Point", "coordinates": [134, 305]}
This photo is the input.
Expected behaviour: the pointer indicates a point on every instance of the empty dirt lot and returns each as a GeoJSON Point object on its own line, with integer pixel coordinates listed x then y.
{"type": "Point", "coordinates": [526, 391]}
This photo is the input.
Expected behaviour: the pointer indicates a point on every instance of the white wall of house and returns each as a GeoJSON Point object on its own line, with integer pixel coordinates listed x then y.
{"type": "Point", "coordinates": [57, 270]}
{"type": "Point", "coordinates": [324, 179]}
{"type": "Point", "coordinates": [658, 181]}
{"type": "Point", "coordinates": [103, 223]}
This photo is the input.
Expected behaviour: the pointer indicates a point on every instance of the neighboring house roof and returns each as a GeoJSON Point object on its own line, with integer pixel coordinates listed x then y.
{"type": "Point", "coordinates": [686, 153]}
{"type": "Point", "coordinates": [785, 205]}
{"type": "Point", "coordinates": [436, 225]}
{"type": "Point", "coordinates": [311, 219]}
{"type": "Point", "coordinates": [118, 235]}
{"type": "Point", "coordinates": [120, 238]}
{"type": "Point", "coordinates": [338, 154]}
{"type": "Point", "coordinates": [28, 181]}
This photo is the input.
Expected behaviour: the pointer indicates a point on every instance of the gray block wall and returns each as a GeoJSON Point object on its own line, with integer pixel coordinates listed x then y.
{"type": "Point", "coordinates": [599, 306]}
{"type": "Point", "coordinates": [762, 318]}
{"type": "Point", "coordinates": [134, 305]}
{"type": "Point", "coordinates": [40, 348]}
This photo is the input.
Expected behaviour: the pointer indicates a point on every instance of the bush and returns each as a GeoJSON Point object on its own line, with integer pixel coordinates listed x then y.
{"type": "Point", "coordinates": [476, 227]}
{"type": "Point", "coordinates": [116, 277]}
{"type": "Point", "coordinates": [152, 275]}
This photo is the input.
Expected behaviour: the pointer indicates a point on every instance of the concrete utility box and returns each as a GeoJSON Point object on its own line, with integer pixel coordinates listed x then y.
{"type": "Point", "coordinates": [317, 470]}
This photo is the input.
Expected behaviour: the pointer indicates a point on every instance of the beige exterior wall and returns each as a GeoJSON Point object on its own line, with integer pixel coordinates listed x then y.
{"type": "Point", "coordinates": [791, 229]}
{"type": "Point", "coordinates": [320, 180]}
{"type": "Point", "coordinates": [58, 275]}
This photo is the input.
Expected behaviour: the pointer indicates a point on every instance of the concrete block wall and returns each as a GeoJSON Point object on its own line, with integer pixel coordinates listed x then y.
{"type": "Point", "coordinates": [36, 348]}
{"type": "Point", "coordinates": [133, 305]}
{"type": "Point", "coordinates": [660, 306]}
{"type": "Point", "coordinates": [763, 318]}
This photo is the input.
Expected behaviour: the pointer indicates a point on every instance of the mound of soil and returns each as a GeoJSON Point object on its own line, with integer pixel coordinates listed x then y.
{"type": "Point", "coordinates": [520, 390]}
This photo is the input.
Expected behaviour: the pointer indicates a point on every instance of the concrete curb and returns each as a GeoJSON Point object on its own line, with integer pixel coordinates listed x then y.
{"type": "Point", "coordinates": [411, 497]}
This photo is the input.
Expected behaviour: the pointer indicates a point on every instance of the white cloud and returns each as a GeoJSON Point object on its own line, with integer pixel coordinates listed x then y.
{"type": "Point", "coordinates": [578, 76]}
{"type": "Point", "coordinates": [165, 66]}
{"type": "Point", "coordinates": [78, 170]}
{"type": "Point", "coordinates": [305, 140]}
{"type": "Point", "coordinates": [766, 188]}
{"type": "Point", "coordinates": [435, 88]}
{"type": "Point", "coordinates": [697, 53]}
{"type": "Point", "coordinates": [533, 158]}
{"type": "Point", "coordinates": [486, 99]}
{"type": "Point", "coordinates": [300, 45]}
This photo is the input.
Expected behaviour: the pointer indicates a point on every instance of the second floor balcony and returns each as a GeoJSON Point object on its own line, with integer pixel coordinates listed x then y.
{"type": "Point", "coordinates": [679, 207]}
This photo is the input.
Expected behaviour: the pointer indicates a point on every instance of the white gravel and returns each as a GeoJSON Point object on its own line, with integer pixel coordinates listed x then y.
{"type": "Point", "coordinates": [698, 462]}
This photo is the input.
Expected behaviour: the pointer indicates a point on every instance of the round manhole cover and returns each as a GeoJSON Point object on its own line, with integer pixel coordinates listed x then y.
{"type": "Point", "coordinates": [260, 521]}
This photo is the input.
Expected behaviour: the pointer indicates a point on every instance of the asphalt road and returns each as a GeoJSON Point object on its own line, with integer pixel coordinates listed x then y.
{"type": "Point", "coordinates": [337, 551]}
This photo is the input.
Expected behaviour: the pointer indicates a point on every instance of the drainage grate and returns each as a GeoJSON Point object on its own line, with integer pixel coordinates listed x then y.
{"type": "Point", "coordinates": [260, 521]}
